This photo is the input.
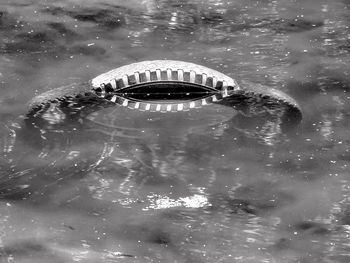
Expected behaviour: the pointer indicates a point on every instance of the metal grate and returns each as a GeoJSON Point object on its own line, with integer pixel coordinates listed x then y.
{"type": "Point", "coordinates": [152, 83]}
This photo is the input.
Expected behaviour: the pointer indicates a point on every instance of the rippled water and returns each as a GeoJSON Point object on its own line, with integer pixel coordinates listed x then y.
{"type": "Point", "coordinates": [202, 186]}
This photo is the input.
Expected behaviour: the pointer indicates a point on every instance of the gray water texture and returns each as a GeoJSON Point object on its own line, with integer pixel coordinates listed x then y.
{"type": "Point", "coordinates": [210, 186]}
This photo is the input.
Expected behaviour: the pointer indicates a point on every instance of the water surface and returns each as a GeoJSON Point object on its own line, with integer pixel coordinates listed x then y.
{"type": "Point", "coordinates": [202, 186]}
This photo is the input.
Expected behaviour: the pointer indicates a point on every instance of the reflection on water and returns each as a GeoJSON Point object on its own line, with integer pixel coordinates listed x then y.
{"type": "Point", "coordinates": [213, 185]}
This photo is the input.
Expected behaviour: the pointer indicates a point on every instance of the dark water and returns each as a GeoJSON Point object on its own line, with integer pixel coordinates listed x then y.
{"type": "Point", "coordinates": [203, 186]}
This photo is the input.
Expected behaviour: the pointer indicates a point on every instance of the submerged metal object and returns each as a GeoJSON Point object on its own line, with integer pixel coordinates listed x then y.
{"type": "Point", "coordinates": [165, 86]}
{"type": "Point", "coordinates": [146, 117]}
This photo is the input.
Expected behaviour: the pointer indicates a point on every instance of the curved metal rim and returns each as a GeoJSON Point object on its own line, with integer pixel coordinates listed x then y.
{"type": "Point", "coordinates": [158, 72]}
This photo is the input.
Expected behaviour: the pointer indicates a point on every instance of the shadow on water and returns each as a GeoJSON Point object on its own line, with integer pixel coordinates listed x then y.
{"type": "Point", "coordinates": [65, 140]}
{"type": "Point", "coordinates": [115, 159]}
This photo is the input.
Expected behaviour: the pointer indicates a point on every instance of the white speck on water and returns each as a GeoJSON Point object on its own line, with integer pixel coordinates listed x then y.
{"type": "Point", "coordinates": [164, 202]}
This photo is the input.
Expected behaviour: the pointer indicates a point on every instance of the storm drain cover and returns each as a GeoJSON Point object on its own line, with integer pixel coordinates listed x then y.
{"type": "Point", "coordinates": [163, 86]}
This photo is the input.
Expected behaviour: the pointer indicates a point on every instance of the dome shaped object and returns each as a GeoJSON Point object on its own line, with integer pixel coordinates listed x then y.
{"type": "Point", "coordinates": [164, 86]}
